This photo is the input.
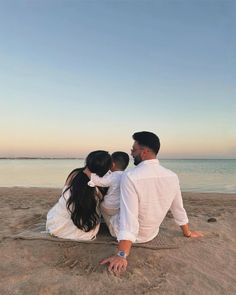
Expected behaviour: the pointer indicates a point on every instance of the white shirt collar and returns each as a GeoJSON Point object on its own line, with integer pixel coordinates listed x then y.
{"type": "Point", "coordinates": [149, 162]}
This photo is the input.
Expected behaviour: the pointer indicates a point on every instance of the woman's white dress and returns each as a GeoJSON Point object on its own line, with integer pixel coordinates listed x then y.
{"type": "Point", "coordinates": [60, 224]}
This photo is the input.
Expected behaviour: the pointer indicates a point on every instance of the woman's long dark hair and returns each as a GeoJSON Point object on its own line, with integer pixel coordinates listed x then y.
{"type": "Point", "coordinates": [82, 202]}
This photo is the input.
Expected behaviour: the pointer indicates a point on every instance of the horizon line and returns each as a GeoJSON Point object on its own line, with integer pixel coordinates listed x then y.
{"type": "Point", "coordinates": [82, 158]}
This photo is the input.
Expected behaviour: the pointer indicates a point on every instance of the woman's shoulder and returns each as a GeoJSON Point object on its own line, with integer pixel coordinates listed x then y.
{"type": "Point", "coordinates": [65, 194]}
{"type": "Point", "coordinates": [65, 188]}
{"type": "Point", "coordinates": [71, 176]}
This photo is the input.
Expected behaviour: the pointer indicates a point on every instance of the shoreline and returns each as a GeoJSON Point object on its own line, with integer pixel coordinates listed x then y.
{"type": "Point", "coordinates": [205, 266]}
{"type": "Point", "coordinates": [60, 188]}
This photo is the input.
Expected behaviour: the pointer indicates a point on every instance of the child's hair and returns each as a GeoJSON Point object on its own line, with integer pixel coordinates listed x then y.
{"type": "Point", "coordinates": [82, 202]}
{"type": "Point", "coordinates": [121, 160]}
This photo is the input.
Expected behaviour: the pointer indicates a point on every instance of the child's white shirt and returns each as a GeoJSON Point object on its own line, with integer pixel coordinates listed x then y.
{"type": "Point", "coordinates": [111, 180]}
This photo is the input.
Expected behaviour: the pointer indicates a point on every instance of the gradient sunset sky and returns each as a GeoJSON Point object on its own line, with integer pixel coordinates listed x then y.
{"type": "Point", "coordinates": [76, 76]}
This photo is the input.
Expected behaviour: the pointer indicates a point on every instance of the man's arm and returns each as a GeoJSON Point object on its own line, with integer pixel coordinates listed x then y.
{"type": "Point", "coordinates": [181, 217]}
{"type": "Point", "coordinates": [129, 226]}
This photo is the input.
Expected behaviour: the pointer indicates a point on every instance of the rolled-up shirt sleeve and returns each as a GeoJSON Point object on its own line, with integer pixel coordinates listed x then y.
{"type": "Point", "coordinates": [129, 224]}
{"type": "Point", "coordinates": [177, 209]}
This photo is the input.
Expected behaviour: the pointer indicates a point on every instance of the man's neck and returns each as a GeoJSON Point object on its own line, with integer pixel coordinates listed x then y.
{"type": "Point", "coordinates": [148, 157]}
{"type": "Point", "coordinates": [115, 169]}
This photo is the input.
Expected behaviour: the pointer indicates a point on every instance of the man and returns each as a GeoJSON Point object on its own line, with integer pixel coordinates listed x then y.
{"type": "Point", "coordinates": [148, 191]}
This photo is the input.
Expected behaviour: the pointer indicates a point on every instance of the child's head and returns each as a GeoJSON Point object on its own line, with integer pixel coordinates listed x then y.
{"type": "Point", "coordinates": [120, 160]}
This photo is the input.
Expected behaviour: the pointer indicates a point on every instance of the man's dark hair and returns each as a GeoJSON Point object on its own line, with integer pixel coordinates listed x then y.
{"type": "Point", "coordinates": [148, 139]}
{"type": "Point", "coordinates": [121, 160]}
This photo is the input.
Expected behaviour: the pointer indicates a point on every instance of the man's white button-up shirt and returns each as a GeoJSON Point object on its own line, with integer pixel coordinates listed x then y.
{"type": "Point", "coordinates": [148, 191]}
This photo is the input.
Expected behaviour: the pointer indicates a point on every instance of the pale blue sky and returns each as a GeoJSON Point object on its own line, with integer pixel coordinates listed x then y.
{"type": "Point", "coordinates": [80, 75]}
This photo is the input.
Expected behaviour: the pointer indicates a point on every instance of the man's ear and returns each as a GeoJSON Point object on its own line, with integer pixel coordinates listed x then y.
{"type": "Point", "coordinates": [144, 153]}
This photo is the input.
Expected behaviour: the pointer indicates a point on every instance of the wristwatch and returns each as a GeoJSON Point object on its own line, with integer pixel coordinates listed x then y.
{"type": "Point", "coordinates": [122, 254]}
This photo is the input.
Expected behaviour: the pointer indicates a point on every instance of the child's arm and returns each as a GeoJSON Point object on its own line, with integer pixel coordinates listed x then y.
{"type": "Point", "coordinates": [104, 181]}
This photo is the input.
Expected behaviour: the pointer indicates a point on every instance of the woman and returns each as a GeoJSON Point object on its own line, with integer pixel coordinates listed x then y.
{"type": "Point", "coordinates": [76, 215]}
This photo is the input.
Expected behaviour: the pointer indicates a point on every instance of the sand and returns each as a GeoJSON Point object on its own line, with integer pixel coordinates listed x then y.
{"type": "Point", "coordinates": [203, 266]}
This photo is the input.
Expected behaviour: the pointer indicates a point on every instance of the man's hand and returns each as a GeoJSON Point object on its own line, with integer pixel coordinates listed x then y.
{"type": "Point", "coordinates": [196, 234]}
{"type": "Point", "coordinates": [190, 234]}
{"type": "Point", "coordinates": [117, 264]}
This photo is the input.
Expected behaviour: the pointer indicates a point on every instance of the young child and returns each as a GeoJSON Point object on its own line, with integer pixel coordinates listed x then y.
{"type": "Point", "coordinates": [111, 203]}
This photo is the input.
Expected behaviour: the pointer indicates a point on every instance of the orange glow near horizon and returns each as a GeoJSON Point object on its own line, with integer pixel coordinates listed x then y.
{"type": "Point", "coordinates": [172, 149]}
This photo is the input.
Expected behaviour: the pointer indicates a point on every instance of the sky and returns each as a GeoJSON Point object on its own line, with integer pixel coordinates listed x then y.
{"type": "Point", "coordinates": [77, 76]}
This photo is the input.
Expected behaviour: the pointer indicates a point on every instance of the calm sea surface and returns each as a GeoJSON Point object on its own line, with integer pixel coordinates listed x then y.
{"type": "Point", "coordinates": [194, 175]}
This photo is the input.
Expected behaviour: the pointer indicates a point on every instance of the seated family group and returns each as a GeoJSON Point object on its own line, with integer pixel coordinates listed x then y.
{"type": "Point", "coordinates": [133, 203]}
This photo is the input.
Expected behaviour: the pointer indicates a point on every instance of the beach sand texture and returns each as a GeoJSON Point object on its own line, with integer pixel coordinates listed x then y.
{"type": "Point", "coordinates": [203, 266]}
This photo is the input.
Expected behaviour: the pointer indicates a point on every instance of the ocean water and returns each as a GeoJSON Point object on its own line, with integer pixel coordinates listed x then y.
{"type": "Point", "coordinates": [195, 175]}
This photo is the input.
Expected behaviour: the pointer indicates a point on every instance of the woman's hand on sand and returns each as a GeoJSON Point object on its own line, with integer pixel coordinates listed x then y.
{"type": "Point", "coordinates": [117, 264]}
{"type": "Point", "coordinates": [196, 234]}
